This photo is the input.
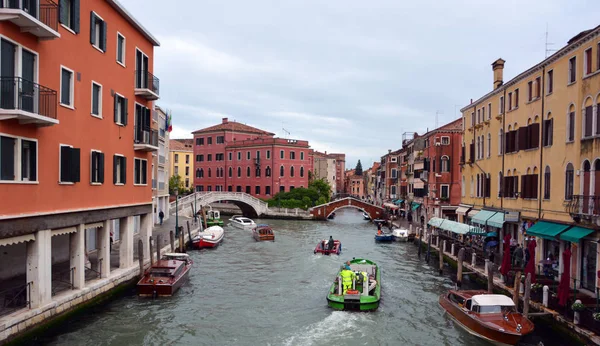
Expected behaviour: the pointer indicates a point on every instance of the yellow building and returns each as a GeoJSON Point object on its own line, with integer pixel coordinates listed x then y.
{"type": "Point", "coordinates": [182, 160]}
{"type": "Point", "coordinates": [531, 153]}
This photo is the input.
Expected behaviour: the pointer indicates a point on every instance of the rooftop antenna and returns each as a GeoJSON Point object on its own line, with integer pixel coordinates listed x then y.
{"type": "Point", "coordinates": [437, 113]}
{"type": "Point", "coordinates": [548, 43]}
{"type": "Point", "coordinates": [286, 132]}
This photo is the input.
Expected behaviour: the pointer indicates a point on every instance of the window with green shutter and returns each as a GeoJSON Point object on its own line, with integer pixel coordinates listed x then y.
{"type": "Point", "coordinates": [69, 14]}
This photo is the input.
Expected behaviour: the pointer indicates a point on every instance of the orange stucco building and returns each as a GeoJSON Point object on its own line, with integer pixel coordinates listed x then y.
{"type": "Point", "coordinates": [76, 137]}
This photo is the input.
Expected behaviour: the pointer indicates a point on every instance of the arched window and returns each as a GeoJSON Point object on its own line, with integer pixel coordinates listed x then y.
{"type": "Point", "coordinates": [463, 187]}
{"type": "Point", "coordinates": [569, 182]}
{"type": "Point", "coordinates": [477, 149]}
{"type": "Point", "coordinates": [489, 145]}
{"type": "Point", "coordinates": [198, 173]}
{"type": "Point", "coordinates": [478, 186]}
{"type": "Point", "coordinates": [471, 192]}
{"type": "Point", "coordinates": [444, 164]}
{"type": "Point", "coordinates": [587, 117]}
{"type": "Point", "coordinates": [257, 171]}
{"type": "Point", "coordinates": [571, 123]}
{"type": "Point", "coordinates": [500, 184]}
{"type": "Point", "coordinates": [547, 183]}
{"type": "Point", "coordinates": [248, 172]}
{"type": "Point", "coordinates": [281, 171]}
{"type": "Point", "coordinates": [209, 171]}
{"type": "Point", "coordinates": [268, 171]}
{"type": "Point", "coordinates": [500, 141]}
{"type": "Point", "coordinates": [548, 129]}
{"type": "Point", "coordinates": [481, 153]}
{"type": "Point", "coordinates": [239, 172]}
{"type": "Point", "coordinates": [230, 172]}
{"type": "Point", "coordinates": [301, 172]}
{"type": "Point", "coordinates": [292, 171]}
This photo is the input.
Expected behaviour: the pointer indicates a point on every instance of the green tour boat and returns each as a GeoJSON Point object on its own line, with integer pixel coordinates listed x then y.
{"type": "Point", "coordinates": [365, 293]}
{"type": "Point", "coordinates": [213, 218]}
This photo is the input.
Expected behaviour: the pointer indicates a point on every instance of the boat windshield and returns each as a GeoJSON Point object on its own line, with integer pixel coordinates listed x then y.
{"type": "Point", "coordinates": [160, 272]}
{"type": "Point", "coordinates": [493, 309]}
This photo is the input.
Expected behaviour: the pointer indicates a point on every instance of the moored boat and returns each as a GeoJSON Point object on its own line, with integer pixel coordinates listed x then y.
{"type": "Point", "coordinates": [323, 247]}
{"type": "Point", "coordinates": [366, 216]}
{"type": "Point", "coordinates": [400, 234]}
{"type": "Point", "coordinates": [241, 222]}
{"type": "Point", "coordinates": [492, 317]}
{"type": "Point", "coordinates": [331, 216]}
{"type": "Point", "coordinates": [209, 238]}
{"type": "Point", "coordinates": [365, 293]}
{"type": "Point", "coordinates": [213, 218]}
{"type": "Point", "coordinates": [165, 276]}
{"type": "Point", "coordinates": [263, 232]}
{"type": "Point", "coordinates": [384, 237]}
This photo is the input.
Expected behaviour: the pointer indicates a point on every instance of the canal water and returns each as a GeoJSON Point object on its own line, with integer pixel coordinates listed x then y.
{"type": "Point", "coordinates": [251, 293]}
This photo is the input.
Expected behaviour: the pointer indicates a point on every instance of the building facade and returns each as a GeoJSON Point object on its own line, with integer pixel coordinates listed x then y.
{"type": "Point", "coordinates": [236, 157]}
{"type": "Point", "coordinates": [325, 167]}
{"type": "Point", "coordinates": [181, 152]}
{"type": "Point", "coordinates": [76, 140]}
{"type": "Point", "coordinates": [160, 168]}
{"type": "Point", "coordinates": [531, 173]}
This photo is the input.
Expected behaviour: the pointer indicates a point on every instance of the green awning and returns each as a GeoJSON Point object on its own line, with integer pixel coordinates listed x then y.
{"type": "Point", "coordinates": [415, 206]}
{"type": "Point", "coordinates": [546, 230]}
{"type": "Point", "coordinates": [476, 230]}
{"type": "Point", "coordinates": [575, 234]}
{"type": "Point", "coordinates": [398, 201]}
{"type": "Point", "coordinates": [497, 220]}
{"type": "Point", "coordinates": [482, 217]}
{"type": "Point", "coordinates": [457, 227]}
{"type": "Point", "coordinates": [435, 221]}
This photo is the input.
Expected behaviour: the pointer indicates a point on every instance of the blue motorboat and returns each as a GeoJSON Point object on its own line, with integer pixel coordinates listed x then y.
{"type": "Point", "coordinates": [384, 237]}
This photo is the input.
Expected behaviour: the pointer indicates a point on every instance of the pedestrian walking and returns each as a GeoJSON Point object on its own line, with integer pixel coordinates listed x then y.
{"type": "Point", "coordinates": [161, 216]}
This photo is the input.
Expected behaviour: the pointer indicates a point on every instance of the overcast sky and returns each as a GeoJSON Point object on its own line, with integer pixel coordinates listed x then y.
{"type": "Point", "coordinates": [349, 76]}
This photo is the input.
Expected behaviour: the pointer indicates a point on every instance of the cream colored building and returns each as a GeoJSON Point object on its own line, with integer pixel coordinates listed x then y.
{"type": "Point", "coordinates": [181, 159]}
{"type": "Point", "coordinates": [160, 168]}
{"type": "Point", "coordinates": [532, 153]}
{"type": "Point", "coordinates": [324, 167]}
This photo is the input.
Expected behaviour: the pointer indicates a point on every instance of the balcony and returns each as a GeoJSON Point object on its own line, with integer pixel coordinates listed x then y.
{"type": "Point", "coordinates": [145, 140]}
{"type": "Point", "coordinates": [146, 85]}
{"type": "Point", "coordinates": [41, 21]}
{"type": "Point", "coordinates": [582, 207]}
{"type": "Point", "coordinates": [28, 102]}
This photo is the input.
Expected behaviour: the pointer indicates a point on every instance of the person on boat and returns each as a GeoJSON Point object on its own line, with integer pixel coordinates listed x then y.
{"type": "Point", "coordinates": [331, 243]}
{"type": "Point", "coordinates": [347, 278]}
{"type": "Point", "coordinates": [379, 232]}
{"type": "Point", "coordinates": [347, 265]}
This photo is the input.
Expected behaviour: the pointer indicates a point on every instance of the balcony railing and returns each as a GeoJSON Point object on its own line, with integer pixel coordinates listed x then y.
{"type": "Point", "coordinates": [583, 205]}
{"type": "Point", "coordinates": [145, 140]}
{"type": "Point", "coordinates": [146, 85]}
{"type": "Point", "coordinates": [41, 21]}
{"type": "Point", "coordinates": [27, 101]}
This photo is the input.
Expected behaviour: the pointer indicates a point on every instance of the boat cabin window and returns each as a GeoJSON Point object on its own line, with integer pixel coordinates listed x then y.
{"type": "Point", "coordinates": [178, 271]}
{"type": "Point", "coordinates": [160, 272]}
{"type": "Point", "coordinates": [492, 309]}
{"type": "Point", "coordinates": [456, 299]}
{"type": "Point", "coordinates": [468, 304]}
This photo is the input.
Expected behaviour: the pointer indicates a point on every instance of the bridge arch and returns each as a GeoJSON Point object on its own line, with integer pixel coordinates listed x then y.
{"type": "Point", "coordinates": [250, 206]}
{"type": "Point", "coordinates": [322, 212]}
{"type": "Point", "coordinates": [352, 207]}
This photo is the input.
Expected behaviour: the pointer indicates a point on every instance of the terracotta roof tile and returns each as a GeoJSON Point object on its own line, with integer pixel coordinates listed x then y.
{"type": "Point", "coordinates": [184, 144]}
{"type": "Point", "coordinates": [235, 127]}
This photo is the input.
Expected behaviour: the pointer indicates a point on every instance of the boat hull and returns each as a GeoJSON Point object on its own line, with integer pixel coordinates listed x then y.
{"type": "Point", "coordinates": [202, 244]}
{"type": "Point", "coordinates": [210, 223]}
{"type": "Point", "coordinates": [147, 289]}
{"type": "Point", "coordinates": [353, 306]}
{"type": "Point", "coordinates": [363, 302]}
{"type": "Point", "coordinates": [384, 238]}
{"type": "Point", "coordinates": [337, 248]}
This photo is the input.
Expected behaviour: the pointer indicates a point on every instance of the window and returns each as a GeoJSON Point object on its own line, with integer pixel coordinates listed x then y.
{"type": "Point", "coordinates": [472, 119]}
{"type": "Point", "coordinates": [257, 190]}
{"type": "Point", "coordinates": [292, 155]}
{"type": "Point", "coordinates": [66, 87]}
{"type": "Point", "coordinates": [199, 173]}
{"type": "Point", "coordinates": [588, 121]}
{"type": "Point", "coordinates": [572, 70]}
{"type": "Point", "coordinates": [247, 155]}
{"type": "Point", "coordinates": [479, 116]}
{"type": "Point", "coordinates": [445, 164]}
{"type": "Point", "coordinates": [548, 131]}
{"type": "Point", "coordinates": [538, 87]}
{"type": "Point", "coordinates": [199, 188]}
{"type": "Point", "coordinates": [516, 98]}
{"type": "Point", "coordinates": [281, 171]}
{"type": "Point", "coordinates": [571, 126]}
{"type": "Point", "coordinates": [197, 158]}
{"type": "Point", "coordinates": [69, 164]}
{"type": "Point", "coordinates": [292, 171]}
{"type": "Point", "coordinates": [445, 140]}
{"type": "Point", "coordinates": [140, 174]}
{"type": "Point", "coordinates": [268, 154]}
{"type": "Point", "coordinates": [18, 159]}
{"type": "Point", "coordinates": [257, 171]}
{"type": "Point", "coordinates": [187, 171]}
{"type": "Point", "coordinates": [120, 170]}
{"type": "Point", "coordinates": [501, 105]}
{"type": "Point", "coordinates": [301, 155]}
{"type": "Point", "coordinates": [209, 157]}
{"type": "Point", "coordinates": [547, 183]}
{"type": "Point", "coordinates": [219, 157]}
{"type": "Point", "coordinates": [471, 189]}
{"type": "Point", "coordinates": [282, 189]}
{"type": "Point", "coordinates": [248, 172]}
{"type": "Point", "coordinates": [268, 171]}
{"type": "Point", "coordinates": [550, 81]}
{"type": "Point", "coordinates": [209, 140]}
{"type": "Point", "coordinates": [239, 172]}
{"type": "Point", "coordinates": [267, 190]}
{"type": "Point", "coordinates": [120, 110]}
{"type": "Point", "coordinates": [510, 98]}
{"type": "Point", "coordinates": [445, 191]}
{"type": "Point", "coordinates": [97, 167]}
{"type": "Point", "coordinates": [208, 188]}
{"type": "Point", "coordinates": [463, 187]}
{"type": "Point", "coordinates": [530, 91]}
{"type": "Point", "coordinates": [500, 141]}
{"type": "Point", "coordinates": [69, 14]}
{"type": "Point", "coordinates": [201, 157]}
{"type": "Point", "coordinates": [187, 159]}
{"type": "Point", "coordinates": [96, 99]}
{"type": "Point", "coordinates": [587, 61]}
{"type": "Point", "coordinates": [394, 173]}
{"type": "Point", "coordinates": [209, 172]}
{"type": "Point", "coordinates": [220, 139]}
{"type": "Point", "coordinates": [302, 172]}
{"type": "Point", "coordinates": [230, 172]}
{"type": "Point", "coordinates": [489, 111]}
{"type": "Point", "coordinates": [230, 156]}
{"type": "Point", "coordinates": [281, 154]}
{"type": "Point", "coordinates": [489, 145]}
{"type": "Point", "coordinates": [248, 189]}
{"type": "Point", "coordinates": [176, 170]}
{"type": "Point", "coordinates": [97, 32]}
{"type": "Point", "coordinates": [120, 49]}
{"type": "Point", "coordinates": [239, 155]}
{"type": "Point", "coordinates": [569, 182]}
{"type": "Point", "coordinates": [200, 141]}
{"type": "Point", "coordinates": [238, 189]}
{"type": "Point", "coordinates": [229, 188]}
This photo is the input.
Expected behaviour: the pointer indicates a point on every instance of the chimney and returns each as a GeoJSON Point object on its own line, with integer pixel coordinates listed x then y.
{"type": "Point", "coordinates": [225, 120]}
{"type": "Point", "coordinates": [389, 151]}
{"type": "Point", "coordinates": [498, 67]}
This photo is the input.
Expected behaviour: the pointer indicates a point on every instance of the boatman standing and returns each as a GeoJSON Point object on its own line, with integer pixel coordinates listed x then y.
{"type": "Point", "coordinates": [331, 243]}
{"type": "Point", "coordinates": [347, 278]}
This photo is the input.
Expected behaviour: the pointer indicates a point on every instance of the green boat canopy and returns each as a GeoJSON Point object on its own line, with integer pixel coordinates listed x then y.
{"type": "Point", "coordinates": [415, 206]}
{"type": "Point", "coordinates": [546, 230]}
{"type": "Point", "coordinates": [497, 220]}
{"type": "Point", "coordinates": [435, 222]}
{"type": "Point", "coordinates": [398, 201]}
{"type": "Point", "coordinates": [482, 217]}
{"type": "Point", "coordinates": [575, 234]}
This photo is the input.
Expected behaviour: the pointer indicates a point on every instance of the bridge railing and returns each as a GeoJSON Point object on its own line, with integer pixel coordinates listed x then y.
{"type": "Point", "coordinates": [184, 202]}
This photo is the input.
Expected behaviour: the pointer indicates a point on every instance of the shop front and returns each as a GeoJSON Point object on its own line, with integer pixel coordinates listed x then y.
{"type": "Point", "coordinates": [587, 249]}
{"type": "Point", "coordinates": [462, 211]}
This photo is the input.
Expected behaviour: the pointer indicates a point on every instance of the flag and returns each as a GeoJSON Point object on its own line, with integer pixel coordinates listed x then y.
{"type": "Point", "coordinates": [168, 125]}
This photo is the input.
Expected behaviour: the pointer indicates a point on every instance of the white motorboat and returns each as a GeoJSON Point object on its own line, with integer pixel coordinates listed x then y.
{"type": "Point", "coordinates": [210, 237]}
{"type": "Point", "coordinates": [366, 216]}
{"type": "Point", "coordinates": [400, 234]}
{"type": "Point", "coordinates": [242, 222]}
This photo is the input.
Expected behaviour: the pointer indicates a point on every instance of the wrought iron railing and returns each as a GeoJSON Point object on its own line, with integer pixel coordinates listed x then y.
{"type": "Point", "coordinates": [145, 136]}
{"type": "Point", "coordinates": [15, 298]}
{"type": "Point", "coordinates": [20, 94]}
{"type": "Point", "coordinates": [63, 280]}
{"type": "Point", "coordinates": [146, 80]}
{"type": "Point", "coordinates": [47, 12]}
{"type": "Point", "coordinates": [584, 205]}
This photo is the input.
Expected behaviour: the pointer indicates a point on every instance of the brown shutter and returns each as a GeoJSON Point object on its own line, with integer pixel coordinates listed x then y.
{"type": "Point", "coordinates": [515, 185]}
{"type": "Point", "coordinates": [534, 183]}
{"type": "Point", "coordinates": [524, 186]}
{"type": "Point", "coordinates": [551, 131]}
{"type": "Point", "coordinates": [535, 135]}
{"type": "Point", "coordinates": [588, 121]}
{"type": "Point", "coordinates": [522, 139]}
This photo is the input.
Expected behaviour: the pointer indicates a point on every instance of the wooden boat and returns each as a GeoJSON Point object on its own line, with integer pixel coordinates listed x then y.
{"type": "Point", "coordinates": [492, 317]}
{"type": "Point", "coordinates": [366, 216]}
{"type": "Point", "coordinates": [384, 237]}
{"type": "Point", "coordinates": [209, 238]}
{"type": "Point", "coordinates": [165, 276]}
{"type": "Point", "coordinates": [322, 247]}
{"type": "Point", "coordinates": [213, 218]}
{"type": "Point", "coordinates": [364, 295]}
{"type": "Point", "coordinates": [263, 232]}
{"type": "Point", "coordinates": [241, 222]}
{"type": "Point", "coordinates": [400, 234]}
{"type": "Point", "coordinates": [331, 216]}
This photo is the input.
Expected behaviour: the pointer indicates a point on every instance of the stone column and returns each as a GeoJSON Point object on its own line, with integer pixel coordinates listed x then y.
{"type": "Point", "coordinates": [39, 268]}
{"type": "Point", "coordinates": [146, 230]}
{"type": "Point", "coordinates": [104, 248]}
{"type": "Point", "coordinates": [126, 238]}
{"type": "Point", "coordinates": [77, 256]}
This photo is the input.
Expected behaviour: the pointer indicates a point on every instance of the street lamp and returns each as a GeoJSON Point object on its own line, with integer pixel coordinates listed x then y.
{"type": "Point", "coordinates": [176, 211]}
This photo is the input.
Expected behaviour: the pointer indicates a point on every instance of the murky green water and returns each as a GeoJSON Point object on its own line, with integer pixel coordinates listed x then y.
{"type": "Point", "coordinates": [249, 293]}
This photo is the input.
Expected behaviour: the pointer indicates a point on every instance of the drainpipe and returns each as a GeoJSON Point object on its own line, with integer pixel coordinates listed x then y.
{"type": "Point", "coordinates": [503, 146]}
{"type": "Point", "coordinates": [540, 196]}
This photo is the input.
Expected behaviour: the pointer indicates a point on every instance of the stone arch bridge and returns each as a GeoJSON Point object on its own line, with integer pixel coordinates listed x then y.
{"type": "Point", "coordinates": [321, 212]}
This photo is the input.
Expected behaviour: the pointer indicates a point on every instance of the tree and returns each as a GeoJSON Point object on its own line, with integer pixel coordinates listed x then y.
{"type": "Point", "coordinates": [176, 183]}
{"type": "Point", "coordinates": [358, 170]}
{"type": "Point", "coordinates": [322, 187]}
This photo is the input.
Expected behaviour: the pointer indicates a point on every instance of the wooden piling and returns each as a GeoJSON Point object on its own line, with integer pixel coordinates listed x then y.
{"type": "Point", "coordinates": [150, 252]}
{"type": "Point", "coordinates": [158, 238]}
{"type": "Point", "coordinates": [189, 232]}
{"type": "Point", "coordinates": [141, 256]}
{"type": "Point", "coordinates": [420, 241]}
{"type": "Point", "coordinates": [459, 272]}
{"type": "Point", "coordinates": [526, 295]}
{"type": "Point", "coordinates": [203, 216]}
{"type": "Point", "coordinates": [428, 249]}
{"type": "Point", "coordinates": [490, 276]}
{"type": "Point", "coordinates": [172, 236]}
{"type": "Point", "coordinates": [516, 289]}
{"type": "Point", "coordinates": [441, 254]}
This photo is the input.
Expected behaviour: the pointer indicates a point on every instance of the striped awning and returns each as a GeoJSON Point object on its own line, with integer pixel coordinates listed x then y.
{"type": "Point", "coordinates": [62, 231]}
{"type": "Point", "coordinates": [435, 222]}
{"type": "Point", "coordinates": [17, 240]}
{"type": "Point", "coordinates": [94, 225]}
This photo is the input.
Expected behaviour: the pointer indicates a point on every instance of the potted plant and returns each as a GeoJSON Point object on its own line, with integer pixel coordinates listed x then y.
{"type": "Point", "coordinates": [596, 316]}
{"type": "Point", "coordinates": [577, 306]}
{"type": "Point", "coordinates": [536, 287]}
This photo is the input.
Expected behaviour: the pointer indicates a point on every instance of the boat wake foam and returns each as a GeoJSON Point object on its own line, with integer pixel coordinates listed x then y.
{"type": "Point", "coordinates": [342, 324]}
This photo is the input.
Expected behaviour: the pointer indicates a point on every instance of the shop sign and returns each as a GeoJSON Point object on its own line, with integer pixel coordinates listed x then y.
{"type": "Point", "coordinates": [511, 216]}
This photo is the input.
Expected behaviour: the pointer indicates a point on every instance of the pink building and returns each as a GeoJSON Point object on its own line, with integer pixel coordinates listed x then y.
{"type": "Point", "coordinates": [236, 157]}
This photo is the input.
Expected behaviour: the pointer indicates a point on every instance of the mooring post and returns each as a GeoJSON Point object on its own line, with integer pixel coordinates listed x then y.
{"type": "Point", "coordinates": [473, 259]}
{"type": "Point", "coordinates": [428, 248]}
{"type": "Point", "coordinates": [452, 249]}
{"type": "Point", "coordinates": [181, 239]}
{"type": "Point", "coordinates": [490, 275]}
{"type": "Point", "coordinates": [172, 236]}
{"type": "Point", "coordinates": [141, 256]}
{"type": "Point", "coordinates": [150, 252]}
{"type": "Point", "coordinates": [516, 288]}
{"type": "Point", "coordinates": [420, 242]}
{"type": "Point", "coordinates": [576, 314]}
{"type": "Point", "coordinates": [526, 296]}
{"type": "Point", "coordinates": [461, 255]}
{"type": "Point", "coordinates": [158, 238]}
{"type": "Point", "coordinates": [545, 297]}
{"type": "Point", "coordinates": [441, 255]}
{"type": "Point", "coordinates": [189, 232]}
